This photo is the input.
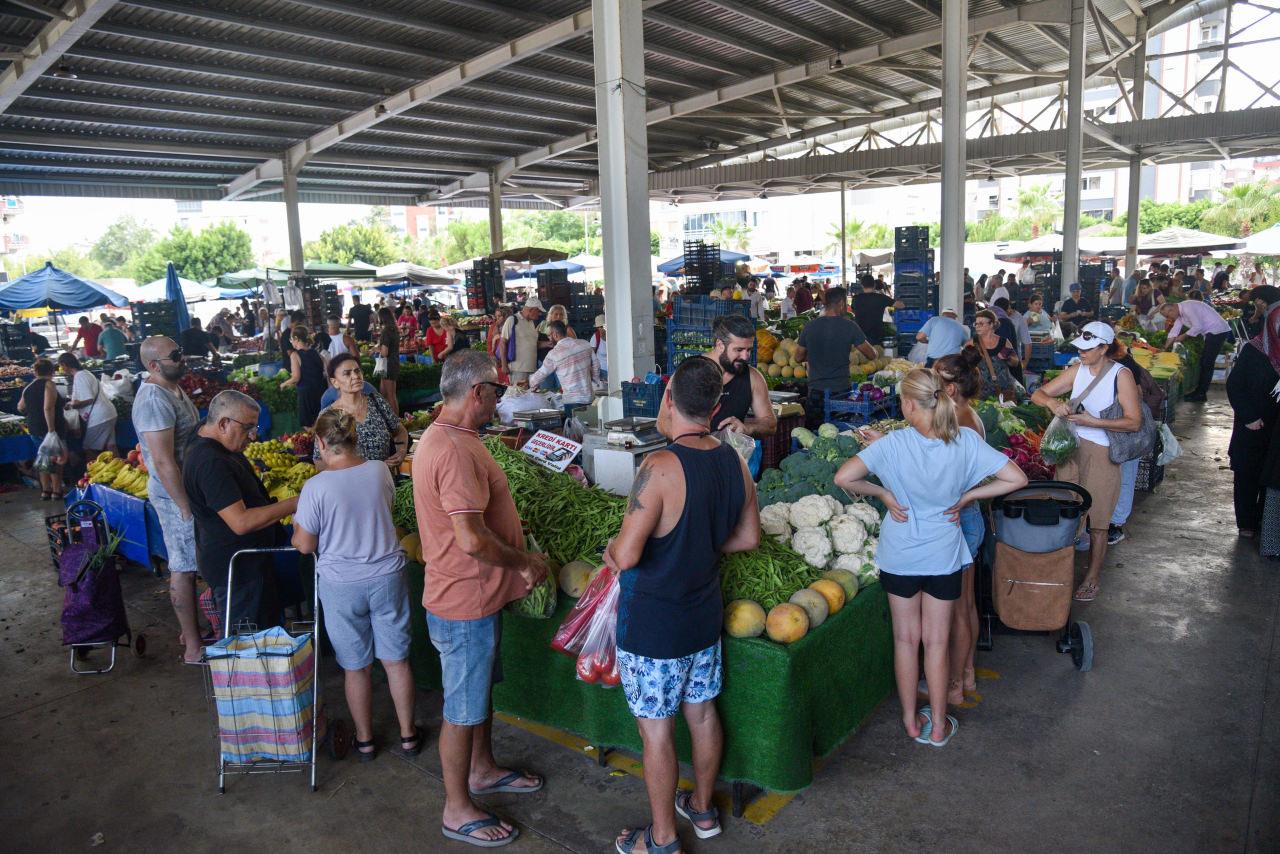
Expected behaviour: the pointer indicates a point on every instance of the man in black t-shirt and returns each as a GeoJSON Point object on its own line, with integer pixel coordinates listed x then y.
{"type": "Point", "coordinates": [1075, 309]}
{"type": "Point", "coordinates": [868, 309]}
{"type": "Point", "coordinates": [196, 343]}
{"type": "Point", "coordinates": [232, 510]}
{"type": "Point", "coordinates": [360, 315]}
{"type": "Point", "coordinates": [824, 345]}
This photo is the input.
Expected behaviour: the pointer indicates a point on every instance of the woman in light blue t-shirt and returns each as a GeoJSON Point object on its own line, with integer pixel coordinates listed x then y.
{"type": "Point", "coordinates": [929, 473]}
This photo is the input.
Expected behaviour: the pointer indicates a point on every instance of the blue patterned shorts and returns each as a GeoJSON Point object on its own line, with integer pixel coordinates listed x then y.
{"type": "Point", "coordinates": [656, 687]}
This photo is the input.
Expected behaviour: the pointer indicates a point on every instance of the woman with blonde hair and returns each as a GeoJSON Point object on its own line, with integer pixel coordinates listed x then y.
{"type": "Point", "coordinates": [930, 473]}
{"type": "Point", "coordinates": [344, 519]}
{"type": "Point", "coordinates": [560, 313]}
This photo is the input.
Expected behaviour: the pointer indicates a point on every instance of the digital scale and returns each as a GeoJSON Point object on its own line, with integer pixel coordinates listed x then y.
{"type": "Point", "coordinates": [613, 452]}
{"type": "Point", "coordinates": [533, 420]}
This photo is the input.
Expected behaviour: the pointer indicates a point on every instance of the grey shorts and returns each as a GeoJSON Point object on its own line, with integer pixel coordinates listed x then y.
{"type": "Point", "coordinates": [100, 436]}
{"type": "Point", "coordinates": [179, 534]}
{"type": "Point", "coordinates": [470, 665]}
{"type": "Point", "coordinates": [366, 619]}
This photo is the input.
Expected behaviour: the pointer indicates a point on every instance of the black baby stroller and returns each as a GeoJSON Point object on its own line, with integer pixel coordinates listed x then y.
{"type": "Point", "coordinates": [93, 614]}
{"type": "Point", "coordinates": [1031, 562]}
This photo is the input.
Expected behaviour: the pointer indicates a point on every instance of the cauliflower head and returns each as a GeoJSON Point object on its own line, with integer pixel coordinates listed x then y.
{"type": "Point", "coordinates": [809, 512]}
{"type": "Point", "coordinates": [853, 563]}
{"type": "Point", "coordinates": [814, 546]}
{"type": "Point", "coordinates": [847, 534]}
{"type": "Point", "coordinates": [865, 512]}
{"type": "Point", "coordinates": [834, 503]}
{"type": "Point", "coordinates": [774, 520]}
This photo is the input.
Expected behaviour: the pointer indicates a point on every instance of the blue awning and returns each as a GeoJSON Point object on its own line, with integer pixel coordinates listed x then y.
{"type": "Point", "coordinates": [57, 289]}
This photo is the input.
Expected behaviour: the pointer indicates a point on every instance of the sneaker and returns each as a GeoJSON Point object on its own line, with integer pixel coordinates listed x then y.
{"type": "Point", "coordinates": [1114, 535]}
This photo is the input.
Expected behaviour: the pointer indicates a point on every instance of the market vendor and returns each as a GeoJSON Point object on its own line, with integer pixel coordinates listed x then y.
{"type": "Point", "coordinates": [196, 343]}
{"type": "Point", "coordinates": [573, 364]}
{"type": "Point", "coordinates": [744, 401]}
{"type": "Point", "coordinates": [825, 344]}
{"type": "Point", "coordinates": [944, 334]}
{"type": "Point", "coordinates": [1038, 320]}
{"type": "Point", "coordinates": [520, 357]}
{"type": "Point", "coordinates": [233, 511]}
{"type": "Point", "coordinates": [112, 342]}
{"type": "Point", "coordinates": [1193, 317]}
{"type": "Point", "coordinates": [869, 307]}
{"type": "Point", "coordinates": [1075, 310]}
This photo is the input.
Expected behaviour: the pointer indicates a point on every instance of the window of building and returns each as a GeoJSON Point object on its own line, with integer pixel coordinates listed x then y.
{"type": "Point", "coordinates": [993, 200]}
{"type": "Point", "coordinates": [1209, 33]}
{"type": "Point", "coordinates": [1091, 182]}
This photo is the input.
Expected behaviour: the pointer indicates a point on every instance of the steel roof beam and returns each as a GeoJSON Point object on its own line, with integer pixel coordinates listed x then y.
{"type": "Point", "coordinates": [48, 47]}
{"type": "Point", "coordinates": [769, 19]}
{"type": "Point", "coordinates": [841, 8]}
{"type": "Point", "coordinates": [70, 97]}
{"type": "Point", "coordinates": [208, 91]}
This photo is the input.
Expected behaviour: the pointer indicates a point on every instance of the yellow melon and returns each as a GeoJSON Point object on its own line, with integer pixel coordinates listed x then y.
{"type": "Point", "coordinates": [800, 372]}
{"type": "Point", "coordinates": [788, 371]}
{"type": "Point", "coordinates": [574, 577]}
{"type": "Point", "coordinates": [743, 619]}
{"type": "Point", "coordinates": [412, 547]}
{"type": "Point", "coordinates": [831, 591]}
{"type": "Point", "coordinates": [846, 579]}
{"type": "Point", "coordinates": [786, 623]}
{"type": "Point", "coordinates": [814, 605]}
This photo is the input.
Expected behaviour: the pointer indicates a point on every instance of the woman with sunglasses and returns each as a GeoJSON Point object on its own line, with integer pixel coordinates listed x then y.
{"type": "Point", "coordinates": [306, 372]}
{"type": "Point", "coordinates": [997, 353]}
{"type": "Point", "coordinates": [380, 434]}
{"type": "Point", "coordinates": [1095, 383]}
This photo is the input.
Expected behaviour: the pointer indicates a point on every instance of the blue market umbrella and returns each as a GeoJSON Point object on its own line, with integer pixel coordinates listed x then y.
{"type": "Point", "coordinates": [173, 293]}
{"type": "Point", "coordinates": [57, 289]}
{"type": "Point", "coordinates": [728, 259]}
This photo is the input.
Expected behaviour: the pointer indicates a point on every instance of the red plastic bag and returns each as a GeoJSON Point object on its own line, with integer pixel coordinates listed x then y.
{"type": "Point", "coordinates": [598, 659]}
{"type": "Point", "coordinates": [573, 631]}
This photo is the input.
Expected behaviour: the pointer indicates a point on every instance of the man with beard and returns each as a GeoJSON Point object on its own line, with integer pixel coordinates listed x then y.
{"type": "Point", "coordinates": [744, 403]}
{"type": "Point", "coordinates": [165, 419]}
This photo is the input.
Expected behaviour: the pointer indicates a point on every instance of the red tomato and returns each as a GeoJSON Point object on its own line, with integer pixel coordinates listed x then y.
{"type": "Point", "coordinates": [605, 662]}
{"type": "Point", "coordinates": [586, 669]}
{"type": "Point", "coordinates": [612, 677]}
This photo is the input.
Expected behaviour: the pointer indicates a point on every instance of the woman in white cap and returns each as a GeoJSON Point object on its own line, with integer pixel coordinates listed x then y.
{"type": "Point", "coordinates": [600, 347]}
{"type": "Point", "coordinates": [1095, 383]}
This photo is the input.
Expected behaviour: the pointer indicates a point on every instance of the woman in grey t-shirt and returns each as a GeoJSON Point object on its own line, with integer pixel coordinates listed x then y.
{"type": "Point", "coordinates": [344, 519]}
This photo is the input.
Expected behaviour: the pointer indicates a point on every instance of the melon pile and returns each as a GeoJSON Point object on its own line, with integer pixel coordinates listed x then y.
{"type": "Point", "coordinates": [860, 367]}
{"type": "Point", "coordinates": [784, 362]}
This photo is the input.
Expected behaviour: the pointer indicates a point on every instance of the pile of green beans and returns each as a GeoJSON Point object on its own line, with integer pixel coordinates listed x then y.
{"type": "Point", "coordinates": [767, 576]}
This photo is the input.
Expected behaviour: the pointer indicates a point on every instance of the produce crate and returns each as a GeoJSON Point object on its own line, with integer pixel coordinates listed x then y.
{"type": "Point", "coordinates": [641, 400]}
{"type": "Point", "coordinates": [859, 411]}
{"type": "Point", "coordinates": [1061, 360]}
{"type": "Point", "coordinates": [684, 341]}
{"type": "Point", "coordinates": [774, 448]}
{"type": "Point", "coordinates": [911, 319]}
{"type": "Point", "coordinates": [1041, 356]}
{"type": "Point", "coordinates": [1150, 473]}
{"type": "Point", "coordinates": [911, 238]}
{"type": "Point", "coordinates": [703, 311]}
{"type": "Point", "coordinates": [918, 266]}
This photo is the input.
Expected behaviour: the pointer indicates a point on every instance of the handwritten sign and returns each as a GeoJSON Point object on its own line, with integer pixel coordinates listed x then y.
{"type": "Point", "coordinates": [552, 451]}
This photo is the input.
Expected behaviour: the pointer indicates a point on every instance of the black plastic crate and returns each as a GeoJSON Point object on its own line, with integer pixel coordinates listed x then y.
{"type": "Point", "coordinates": [1150, 474]}
{"type": "Point", "coordinates": [684, 341]}
{"type": "Point", "coordinates": [911, 237]}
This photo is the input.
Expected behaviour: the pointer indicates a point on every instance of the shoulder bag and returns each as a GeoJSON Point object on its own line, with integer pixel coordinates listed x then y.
{"type": "Point", "coordinates": [1123, 445]}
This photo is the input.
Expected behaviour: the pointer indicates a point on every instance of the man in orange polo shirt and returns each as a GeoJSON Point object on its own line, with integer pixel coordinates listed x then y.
{"type": "Point", "coordinates": [476, 562]}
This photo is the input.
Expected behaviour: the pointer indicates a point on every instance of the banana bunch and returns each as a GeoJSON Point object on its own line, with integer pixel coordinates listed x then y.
{"type": "Point", "coordinates": [118, 474]}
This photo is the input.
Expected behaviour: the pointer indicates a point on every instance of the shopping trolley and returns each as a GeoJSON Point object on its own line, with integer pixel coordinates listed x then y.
{"type": "Point", "coordinates": [1031, 562]}
{"type": "Point", "coordinates": [262, 689]}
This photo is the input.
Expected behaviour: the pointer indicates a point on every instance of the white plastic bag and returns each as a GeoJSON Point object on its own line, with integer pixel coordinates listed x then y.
{"type": "Point", "coordinates": [380, 366]}
{"type": "Point", "coordinates": [574, 429]}
{"type": "Point", "coordinates": [1058, 337]}
{"type": "Point", "coordinates": [119, 386]}
{"type": "Point", "coordinates": [740, 442]}
{"type": "Point", "coordinates": [51, 453]}
{"type": "Point", "coordinates": [1170, 450]}
{"type": "Point", "coordinates": [919, 353]}
{"type": "Point", "coordinates": [510, 404]}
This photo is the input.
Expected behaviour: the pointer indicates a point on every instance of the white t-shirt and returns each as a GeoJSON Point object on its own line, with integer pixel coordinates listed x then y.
{"type": "Point", "coordinates": [349, 510]}
{"type": "Point", "coordinates": [87, 387]}
{"type": "Point", "coordinates": [788, 308]}
{"type": "Point", "coordinates": [999, 292]}
{"type": "Point", "coordinates": [1102, 396]}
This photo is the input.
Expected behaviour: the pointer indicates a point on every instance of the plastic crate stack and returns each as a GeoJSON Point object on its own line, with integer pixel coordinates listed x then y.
{"type": "Point", "coordinates": [1041, 357]}
{"type": "Point", "coordinates": [1150, 473]}
{"type": "Point", "coordinates": [641, 400]}
{"type": "Point", "coordinates": [856, 412]}
{"type": "Point", "coordinates": [701, 266]}
{"type": "Point", "coordinates": [1091, 277]}
{"type": "Point", "coordinates": [554, 288]}
{"type": "Point", "coordinates": [332, 300]}
{"type": "Point", "coordinates": [155, 318]}
{"type": "Point", "coordinates": [485, 286]}
{"type": "Point", "coordinates": [583, 310]}
{"type": "Point", "coordinates": [774, 448]}
{"type": "Point", "coordinates": [684, 341]}
{"type": "Point", "coordinates": [913, 283]}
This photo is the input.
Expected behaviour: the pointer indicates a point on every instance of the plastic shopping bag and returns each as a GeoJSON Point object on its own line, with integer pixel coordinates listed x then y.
{"type": "Point", "coordinates": [119, 386]}
{"type": "Point", "coordinates": [740, 442]}
{"type": "Point", "coordinates": [1059, 442]}
{"type": "Point", "coordinates": [572, 633]}
{"type": "Point", "coordinates": [919, 353]}
{"type": "Point", "coordinates": [51, 453]}
{"type": "Point", "coordinates": [598, 660]}
{"type": "Point", "coordinates": [1170, 450]}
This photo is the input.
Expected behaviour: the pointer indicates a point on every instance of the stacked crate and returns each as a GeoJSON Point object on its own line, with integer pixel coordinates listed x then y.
{"type": "Point", "coordinates": [155, 318]}
{"type": "Point", "coordinates": [1048, 283]}
{"type": "Point", "coordinates": [583, 310]}
{"type": "Point", "coordinates": [485, 287]}
{"type": "Point", "coordinates": [914, 283]}
{"type": "Point", "coordinates": [554, 288]}
{"type": "Point", "coordinates": [690, 330]}
{"type": "Point", "coordinates": [701, 267]}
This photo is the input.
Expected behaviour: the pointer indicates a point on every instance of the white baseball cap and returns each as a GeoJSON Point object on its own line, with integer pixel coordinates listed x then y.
{"type": "Point", "coordinates": [599, 321]}
{"type": "Point", "coordinates": [1095, 334]}
{"type": "Point", "coordinates": [950, 311]}
{"type": "Point", "coordinates": [533, 302]}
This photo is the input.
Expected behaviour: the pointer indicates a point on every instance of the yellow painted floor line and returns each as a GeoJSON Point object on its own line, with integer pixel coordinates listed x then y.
{"type": "Point", "coordinates": [984, 673]}
{"type": "Point", "coordinates": [760, 811]}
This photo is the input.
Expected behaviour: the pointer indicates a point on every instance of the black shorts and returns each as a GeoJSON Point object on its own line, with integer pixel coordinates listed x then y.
{"type": "Point", "coordinates": [943, 587]}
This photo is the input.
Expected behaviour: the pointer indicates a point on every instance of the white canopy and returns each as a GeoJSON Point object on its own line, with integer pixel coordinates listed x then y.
{"type": "Point", "coordinates": [404, 271]}
{"type": "Point", "coordinates": [1265, 242]}
{"type": "Point", "coordinates": [1181, 241]}
{"type": "Point", "coordinates": [156, 291]}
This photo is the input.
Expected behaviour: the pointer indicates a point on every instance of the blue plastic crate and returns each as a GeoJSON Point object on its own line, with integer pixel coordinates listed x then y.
{"type": "Point", "coordinates": [911, 319]}
{"type": "Point", "coordinates": [1061, 360]}
{"type": "Point", "coordinates": [859, 411]}
{"type": "Point", "coordinates": [641, 400]}
{"type": "Point", "coordinates": [1042, 356]}
{"type": "Point", "coordinates": [684, 341]}
{"type": "Point", "coordinates": [703, 311]}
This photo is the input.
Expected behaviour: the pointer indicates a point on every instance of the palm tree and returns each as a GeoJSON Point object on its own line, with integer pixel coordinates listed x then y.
{"type": "Point", "coordinates": [1245, 209]}
{"type": "Point", "coordinates": [852, 232]}
{"type": "Point", "coordinates": [731, 234]}
{"type": "Point", "coordinates": [1039, 206]}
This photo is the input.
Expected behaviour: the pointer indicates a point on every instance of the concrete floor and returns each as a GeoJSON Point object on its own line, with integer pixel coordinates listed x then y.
{"type": "Point", "coordinates": [1164, 746]}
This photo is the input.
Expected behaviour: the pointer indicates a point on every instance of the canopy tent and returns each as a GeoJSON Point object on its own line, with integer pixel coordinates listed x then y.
{"type": "Point", "coordinates": [728, 258]}
{"type": "Point", "coordinates": [404, 271]}
{"type": "Point", "coordinates": [1176, 241]}
{"type": "Point", "coordinates": [530, 255]}
{"type": "Point", "coordinates": [57, 289]}
{"type": "Point", "coordinates": [1042, 248]}
{"type": "Point", "coordinates": [532, 272]}
{"type": "Point", "coordinates": [173, 291]}
{"type": "Point", "coordinates": [354, 270]}
{"type": "Point", "coordinates": [157, 291]}
{"type": "Point", "coordinates": [871, 257]}
{"type": "Point", "coordinates": [1265, 242]}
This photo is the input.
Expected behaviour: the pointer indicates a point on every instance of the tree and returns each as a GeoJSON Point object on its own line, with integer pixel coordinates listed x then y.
{"type": "Point", "coordinates": [371, 242]}
{"type": "Point", "coordinates": [222, 248]}
{"type": "Point", "coordinates": [1040, 207]}
{"type": "Point", "coordinates": [1154, 216]}
{"type": "Point", "coordinates": [68, 258]}
{"type": "Point", "coordinates": [655, 242]}
{"type": "Point", "coordinates": [1245, 209]}
{"type": "Point", "coordinates": [851, 232]}
{"type": "Point", "coordinates": [124, 241]}
{"type": "Point", "coordinates": [461, 239]}
{"type": "Point", "coordinates": [731, 234]}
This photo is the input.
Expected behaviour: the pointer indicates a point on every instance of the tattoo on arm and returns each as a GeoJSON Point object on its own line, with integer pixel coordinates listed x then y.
{"type": "Point", "coordinates": [642, 480]}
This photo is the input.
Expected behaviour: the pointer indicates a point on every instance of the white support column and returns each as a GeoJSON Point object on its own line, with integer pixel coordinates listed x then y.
{"type": "Point", "coordinates": [495, 213]}
{"type": "Point", "coordinates": [296, 261]}
{"type": "Point", "coordinates": [624, 187]}
{"type": "Point", "coordinates": [1135, 162]}
{"type": "Point", "coordinates": [955, 58]}
{"type": "Point", "coordinates": [1075, 151]}
{"type": "Point", "coordinates": [844, 249]}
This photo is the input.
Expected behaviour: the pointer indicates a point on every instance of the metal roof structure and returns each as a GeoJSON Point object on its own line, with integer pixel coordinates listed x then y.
{"type": "Point", "coordinates": [409, 101]}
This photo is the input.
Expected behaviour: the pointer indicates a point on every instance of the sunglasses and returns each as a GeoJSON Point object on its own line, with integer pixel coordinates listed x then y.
{"type": "Point", "coordinates": [498, 388]}
{"type": "Point", "coordinates": [1089, 336]}
{"type": "Point", "coordinates": [249, 427]}
{"type": "Point", "coordinates": [175, 355]}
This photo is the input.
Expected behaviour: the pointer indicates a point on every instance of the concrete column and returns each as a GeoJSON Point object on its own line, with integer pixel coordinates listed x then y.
{"type": "Point", "coordinates": [296, 261]}
{"type": "Point", "coordinates": [844, 248]}
{"type": "Point", "coordinates": [1075, 151]}
{"type": "Point", "coordinates": [955, 58]}
{"type": "Point", "coordinates": [624, 187]}
{"type": "Point", "coordinates": [1135, 162]}
{"type": "Point", "coordinates": [495, 214]}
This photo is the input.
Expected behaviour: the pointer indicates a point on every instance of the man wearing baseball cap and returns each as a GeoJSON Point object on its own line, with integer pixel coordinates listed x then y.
{"type": "Point", "coordinates": [521, 334]}
{"type": "Point", "coordinates": [600, 348]}
{"type": "Point", "coordinates": [1075, 309]}
{"type": "Point", "coordinates": [944, 335]}
{"type": "Point", "coordinates": [1095, 383]}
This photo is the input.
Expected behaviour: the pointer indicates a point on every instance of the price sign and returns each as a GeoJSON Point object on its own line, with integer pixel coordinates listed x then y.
{"type": "Point", "coordinates": [552, 451]}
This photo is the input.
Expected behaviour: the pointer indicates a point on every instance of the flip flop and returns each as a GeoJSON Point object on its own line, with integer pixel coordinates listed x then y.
{"type": "Point", "coordinates": [504, 785]}
{"type": "Point", "coordinates": [927, 713]}
{"type": "Point", "coordinates": [1086, 592]}
{"type": "Point", "coordinates": [685, 809]}
{"type": "Point", "coordinates": [955, 727]}
{"type": "Point", "coordinates": [628, 844]}
{"type": "Point", "coordinates": [463, 833]}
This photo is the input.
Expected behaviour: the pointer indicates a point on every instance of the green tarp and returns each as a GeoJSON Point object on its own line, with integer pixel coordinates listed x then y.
{"type": "Point", "coordinates": [781, 707]}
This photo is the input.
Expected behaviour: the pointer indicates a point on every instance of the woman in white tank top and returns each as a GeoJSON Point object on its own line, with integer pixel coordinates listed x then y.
{"type": "Point", "coordinates": [1091, 465]}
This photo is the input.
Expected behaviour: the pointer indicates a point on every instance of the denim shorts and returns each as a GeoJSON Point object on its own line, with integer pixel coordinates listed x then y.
{"type": "Point", "coordinates": [366, 618]}
{"type": "Point", "coordinates": [470, 665]}
{"type": "Point", "coordinates": [974, 528]}
{"type": "Point", "coordinates": [657, 687]}
{"type": "Point", "coordinates": [179, 533]}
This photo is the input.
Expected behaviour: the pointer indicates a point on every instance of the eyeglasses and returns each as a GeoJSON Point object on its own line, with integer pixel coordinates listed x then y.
{"type": "Point", "coordinates": [498, 388]}
{"type": "Point", "coordinates": [249, 427]}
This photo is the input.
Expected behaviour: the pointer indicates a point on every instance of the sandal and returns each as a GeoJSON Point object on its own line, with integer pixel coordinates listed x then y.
{"type": "Point", "coordinates": [504, 784]}
{"type": "Point", "coordinates": [463, 833]}
{"type": "Point", "coordinates": [416, 740]}
{"type": "Point", "coordinates": [628, 843]}
{"type": "Point", "coordinates": [684, 807]}
{"type": "Point", "coordinates": [366, 755]}
{"type": "Point", "coordinates": [1086, 593]}
{"type": "Point", "coordinates": [45, 496]}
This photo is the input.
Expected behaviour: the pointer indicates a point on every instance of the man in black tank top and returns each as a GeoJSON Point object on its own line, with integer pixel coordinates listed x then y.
{"type": "Point", "coordinates": [691, 503]}
{"type": "Point", "coordinates": [744, 397]}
